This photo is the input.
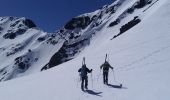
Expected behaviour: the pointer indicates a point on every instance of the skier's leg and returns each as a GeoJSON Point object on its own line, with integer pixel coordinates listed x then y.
{"type": "Point", "coordinates": [107, 78]}
{"type": "Point", "coordinates": [82, 83]}
{"type": "Point", "coordinates": [86, 82]}
{"type": "Point", "coordinates": [103, 78]}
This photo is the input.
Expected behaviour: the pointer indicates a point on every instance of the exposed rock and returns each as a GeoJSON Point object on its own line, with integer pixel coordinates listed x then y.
{"type": "Point", "coordinates": [29, 23]}
{"type": "Point", "coordinates": [130, 24]}
{"type": "Point", "coordinates": [79, 22]}
{"type": "Point", "coordinates": [65, 53]}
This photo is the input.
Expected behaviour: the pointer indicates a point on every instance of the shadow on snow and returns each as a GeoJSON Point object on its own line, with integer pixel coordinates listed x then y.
{"type": "Point", "coordinates": [94, 93]}
{"type": "Point", "coordinates": [117, 86]}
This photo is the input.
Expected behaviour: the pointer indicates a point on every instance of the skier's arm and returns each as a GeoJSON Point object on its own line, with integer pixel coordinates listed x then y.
{"type": "Point", "coordinates": [110, 66]}
{"type": "Point", "coordinates": [89, 71]}
{"type": "Point", "coordinates": [101, 66]}
{"type": "Point", "coordinates": [79, 70]}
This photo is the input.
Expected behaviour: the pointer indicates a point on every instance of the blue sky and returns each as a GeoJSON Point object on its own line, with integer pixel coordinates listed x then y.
{"type": "Point", "coordinates": [49, 15]}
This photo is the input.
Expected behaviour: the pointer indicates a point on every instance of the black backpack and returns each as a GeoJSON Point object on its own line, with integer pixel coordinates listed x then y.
{"type": "Point", "coordinates": [83, 72]}
{"type": "Point", "coordinates": [105, 67]}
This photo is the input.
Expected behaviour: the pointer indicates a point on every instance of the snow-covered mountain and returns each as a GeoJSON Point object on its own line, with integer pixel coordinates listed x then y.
{"type": "Point", "coordinates": [134, 33]}
{"type": "Point", "coordinates": [27, 49]}
{"type": "Point", "coordinates": [24, 48]}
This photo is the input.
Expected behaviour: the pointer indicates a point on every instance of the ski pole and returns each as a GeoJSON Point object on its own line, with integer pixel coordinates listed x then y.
{"type": "Point", "coordinates": [92, 80]}
{"type": "Point", "coordinates": [78, 80]}
{"type": "Point", "coordinates": [114, 75]}
{"type": "Point", "coordinates": [99, 76]}
{"type": "Point", "coordinates": [115, 78]}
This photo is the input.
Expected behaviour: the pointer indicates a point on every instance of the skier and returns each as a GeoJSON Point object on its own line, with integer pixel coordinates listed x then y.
{"type": "Point", "coordinates": [105, 67]}
{"type": "Point", "coordinates": [83, 74]}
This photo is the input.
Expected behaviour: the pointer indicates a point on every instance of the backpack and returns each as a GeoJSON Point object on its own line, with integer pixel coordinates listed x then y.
{"type": "Point", "coordinates": [106, 67]}
{"type": "Point", "coordinates": [83, 72]}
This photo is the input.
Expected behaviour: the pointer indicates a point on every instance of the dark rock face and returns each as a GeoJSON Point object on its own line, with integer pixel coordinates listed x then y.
{"type": "Point", "coordinates": [130, 10]}
{"type": "Point", "coordinates": [18, 27]}
{"type": "Point", "coordinates": [76, 39]}
{"type": "Point", "coordinates": [66, 52]}
{"type": "Point", "coordinates": [130, 24]}
{"type": "Point", "coordinates": [15, 49]}
{"type": "Point", "coordinates": [139, 4]}
{"type": "Point", "coordinates": [14, 24]}
{"type": "Point", "coordinates": [12, 35]}
{"type": "Point", "coordinates": [114, 23]}
{"type": "Point", "coordinates": [111, 10]}
{"type": "Point", "coordinates": [69, 50]}
{"type": "Point", "coordinates": [29, 23]}
{"type": "Point", "coordinates": [22, 63]}
{"type": "Point", "coordinates": [9, 36]}
{"type": "Point", "coordinates": [79, 22]}
{"type": "Point", "coordinates": [40, 39]}
{"type": "Point", "coordinates": [142, 3]}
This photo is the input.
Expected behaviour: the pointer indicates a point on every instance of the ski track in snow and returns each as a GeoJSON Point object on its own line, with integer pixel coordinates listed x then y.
{"type": "Point", "coordinates": [128, 66]}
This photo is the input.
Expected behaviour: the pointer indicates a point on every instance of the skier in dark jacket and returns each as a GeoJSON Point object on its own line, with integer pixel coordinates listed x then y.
{"type": "Point", "coordinates": [83, 74]}
{"type": "Point", "coordinates": [105, 67]}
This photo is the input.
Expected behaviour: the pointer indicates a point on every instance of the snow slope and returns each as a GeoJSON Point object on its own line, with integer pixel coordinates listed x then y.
{"type": "Point", "coordinates": [24, 48]}
{"type": "Point", "coordinates": [140, 57]}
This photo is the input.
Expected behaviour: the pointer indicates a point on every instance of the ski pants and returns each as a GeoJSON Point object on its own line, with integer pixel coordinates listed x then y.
{"type": "Point", "coordinates": [84, 80]}
{"type": "Point", "coordinates": [105, 77]}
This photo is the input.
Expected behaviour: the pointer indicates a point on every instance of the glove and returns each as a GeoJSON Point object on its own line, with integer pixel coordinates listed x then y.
{"type": "Point", "coordinates": [91, 70]}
